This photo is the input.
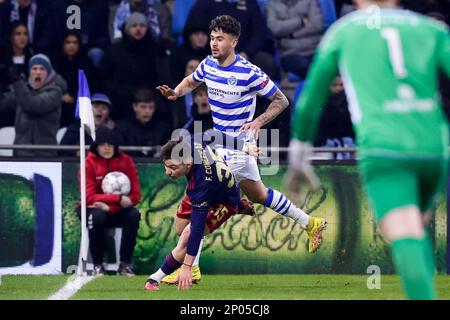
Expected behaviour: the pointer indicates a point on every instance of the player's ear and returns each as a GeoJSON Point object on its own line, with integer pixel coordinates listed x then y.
{"type": "Point", "coordinates": [234, 42]}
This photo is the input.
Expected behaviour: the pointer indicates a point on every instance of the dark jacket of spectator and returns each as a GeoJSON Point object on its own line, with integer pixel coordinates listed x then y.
{"type": "Point", "coordinates": [186, 52]}
{"type": "Point", "coordinates": [126, 66]}
{"type": "Point", "coordinates": [335, 122]}
{"type": "Point", "coordinates": [247, 12]}
{"type": "Point", "coordinates": [68, 69]}
{"type": "Point", "coordinates": [37, 16]}
{"type": "Point", "coordinates": [205, 119]}
{"type": "Point", "coordinates": [134, 133]}
{"type": "Point", "coordinates": [37, 113]}
{"type": "Point", "coordinates": [94, 22]}
{"type": "Point", "coordinates": [297, 25]}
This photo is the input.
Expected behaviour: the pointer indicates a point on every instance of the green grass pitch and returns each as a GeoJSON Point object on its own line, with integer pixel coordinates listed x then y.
{"type": "Point", "coordinates": [219, 287]}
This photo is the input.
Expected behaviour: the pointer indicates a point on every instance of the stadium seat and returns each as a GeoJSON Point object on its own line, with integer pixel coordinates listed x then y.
{"type": "Point", "coordinates": [328, 11]}
{"type": "Point", "coordinates": [60, 134]}
{"type": "Point", "coordinates": [7, 135]}
{"type": "Point", "coordinates": [181, 9]}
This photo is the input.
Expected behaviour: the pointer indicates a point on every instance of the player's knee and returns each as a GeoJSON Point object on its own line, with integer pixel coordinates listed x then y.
{"type": "Point", "coordinates": [402, 223]}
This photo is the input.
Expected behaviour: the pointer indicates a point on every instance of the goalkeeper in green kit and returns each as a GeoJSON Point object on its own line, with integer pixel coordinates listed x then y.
{"type": "Point", "coordinates": [389, 60]}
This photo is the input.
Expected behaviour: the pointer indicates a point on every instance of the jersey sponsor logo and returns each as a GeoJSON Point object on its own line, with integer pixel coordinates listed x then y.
{"type": "Point", "coordinates": [232, 81]}
{"type": "Point", "coordinates": [203, 204]}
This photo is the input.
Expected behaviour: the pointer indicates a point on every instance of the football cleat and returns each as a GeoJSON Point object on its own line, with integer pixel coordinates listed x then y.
{"type": "Point", "coordinates": [314, 230]}
{"type": "Point", "coordinates": [173, 277]}
{"type": "Point", "coordinates": [246, 207]}
{"type": "Point", "coordinates": [151, 285]}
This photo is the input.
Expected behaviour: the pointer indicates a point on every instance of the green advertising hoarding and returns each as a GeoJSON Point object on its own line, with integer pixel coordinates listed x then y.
{"type": "Point", "coordinates": [266, 243]}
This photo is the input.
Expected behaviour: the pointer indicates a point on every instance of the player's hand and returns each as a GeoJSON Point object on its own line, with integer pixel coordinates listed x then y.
{"type": "Point", "coordinates": [185, 278]}
{"type": "Point", "coordinates": [100, 205]}
{"type": "Point", "coordinates": [300, 173]}
{"type": "Point", "coordinates": [167, 92]}
{"type": "Point", "coordinates": [125, 202]}
{"type": "Point", "coordinates": [252, 128]}
{"type": "Point", "coordinates": [252, 149]}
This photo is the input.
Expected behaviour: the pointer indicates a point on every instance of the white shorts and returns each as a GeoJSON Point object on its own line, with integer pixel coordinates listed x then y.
{"type": "Point", "coordinates": [242, 165]}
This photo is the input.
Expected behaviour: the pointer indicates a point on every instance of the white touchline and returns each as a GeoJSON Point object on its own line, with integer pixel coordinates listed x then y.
{"type": "Point", "coordinates": [73, 284]}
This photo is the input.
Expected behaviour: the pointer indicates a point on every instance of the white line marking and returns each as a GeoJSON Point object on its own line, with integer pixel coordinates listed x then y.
{"type": "Point", "coordinates": [73, 284]}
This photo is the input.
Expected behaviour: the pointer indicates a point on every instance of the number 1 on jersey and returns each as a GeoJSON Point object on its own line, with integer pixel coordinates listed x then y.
{"type": "Point", "coordinates": [392, 37]}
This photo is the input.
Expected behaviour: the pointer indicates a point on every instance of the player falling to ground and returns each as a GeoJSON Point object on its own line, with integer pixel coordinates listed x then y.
{"type": "Point", "coordinates": [233, 84]}
{"type": "Point", "coordinates": [389, 60]}
{"type": "Point", "coordinates": [212, 198]}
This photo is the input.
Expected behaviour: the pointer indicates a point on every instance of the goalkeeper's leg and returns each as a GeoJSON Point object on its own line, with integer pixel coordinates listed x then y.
{"type": "Point", "coordinates": [411, 251]}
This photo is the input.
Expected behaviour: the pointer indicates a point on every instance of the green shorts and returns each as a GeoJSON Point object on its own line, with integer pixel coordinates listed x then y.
{"type": "Point", "coordinates": [393, 183]}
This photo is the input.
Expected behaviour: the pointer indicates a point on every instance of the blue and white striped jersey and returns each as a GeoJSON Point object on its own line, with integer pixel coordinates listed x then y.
{"type": "Point", "coordinates": [232, 91]}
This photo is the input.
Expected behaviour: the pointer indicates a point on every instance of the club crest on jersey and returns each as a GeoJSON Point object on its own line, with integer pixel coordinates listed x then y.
{"type": "Point", "coordinates": [232, 81]}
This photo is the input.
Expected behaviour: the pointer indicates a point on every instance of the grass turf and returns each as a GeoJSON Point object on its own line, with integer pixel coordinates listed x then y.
{"type": "Point", "coordinates": [30, 287]}
{"type": "Point", "coordinates": [219, 287]}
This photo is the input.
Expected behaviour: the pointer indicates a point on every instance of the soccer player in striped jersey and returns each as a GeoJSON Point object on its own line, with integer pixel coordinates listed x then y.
{"type": "Point", "coordinates": [233, 84]}
{"type": "Point", "coordinates": [389, 61]}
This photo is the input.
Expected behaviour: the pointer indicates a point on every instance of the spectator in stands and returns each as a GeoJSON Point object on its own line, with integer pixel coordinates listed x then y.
{"type": "Point", "coordinates": [17, 52]}
{"type": "Point", "coordinates": [201, 111]}
{"type": "Point", "coordinates": [297, 26]}
{"type": "Point", "coordinates": [145, 128]}
{"type": "Point", "coordinates": [37, 103]}
{"type": "Point", "coordinates": [67, 63]}
{"type": "Point", "coordinates": [253, 37]}
{"type": "Point", "coordinates": [335, 128]}
{"type": "Point", "coordinates": [36, 15]}
{"type": "Point", "coordinates": [129, 64]}
{"type": "Point", "coordinates": [195, 46]}
{"type": "Point", "coordinates": [101, 106]}
{"type": "Point", "coordinates": [157, 14]}
{"type": "Point", "coordinates": [94, 30]}
{"type": "Point", "coordinates": [110, 210]}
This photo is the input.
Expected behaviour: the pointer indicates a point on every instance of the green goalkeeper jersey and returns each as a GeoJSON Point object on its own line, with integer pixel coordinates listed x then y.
{"type": "Point", "coordinates": [389, 61]}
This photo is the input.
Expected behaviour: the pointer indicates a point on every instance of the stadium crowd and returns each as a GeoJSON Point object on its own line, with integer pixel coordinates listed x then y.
{"type": "Point", "coordinates": [128, 47]}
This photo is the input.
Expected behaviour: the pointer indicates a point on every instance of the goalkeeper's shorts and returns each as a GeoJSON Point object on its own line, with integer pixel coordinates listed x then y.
{"type": "Point", "coordinates": [394, 183]}
{"type": "Point", "coordinates": [217, 214]}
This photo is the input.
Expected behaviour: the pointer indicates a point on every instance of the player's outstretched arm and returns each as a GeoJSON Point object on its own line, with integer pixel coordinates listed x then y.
{"type": "Point", "coordinates": [278, 104]}
{"type": "Point", "coordinates": [187, 85]}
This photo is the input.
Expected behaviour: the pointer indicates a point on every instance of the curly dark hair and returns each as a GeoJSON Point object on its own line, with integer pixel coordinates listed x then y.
{"type": "Point", "coordinates": [227, 24]}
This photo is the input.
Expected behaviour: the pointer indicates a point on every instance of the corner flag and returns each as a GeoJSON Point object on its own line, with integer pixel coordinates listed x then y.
{"type": "Point", "coordinates": [84, 107]}
{"type": "Point", "coordinates": [86, 115]}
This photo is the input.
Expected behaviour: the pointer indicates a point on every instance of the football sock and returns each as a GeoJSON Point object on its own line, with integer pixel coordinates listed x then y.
{"type": "Point", "coordinates": [410, 260]}
{"type": "Point", "coordinates": [169, 265]}
{"type": "Point", "coordinates": [279, 203]}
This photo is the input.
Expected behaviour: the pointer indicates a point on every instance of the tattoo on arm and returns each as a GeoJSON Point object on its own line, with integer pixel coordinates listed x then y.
{"type": "Point", "coordinates": [279, 103]}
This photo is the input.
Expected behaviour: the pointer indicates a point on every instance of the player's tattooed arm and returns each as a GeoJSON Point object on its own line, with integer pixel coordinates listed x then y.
{"type": "Point", "coordinates": [279, 103]}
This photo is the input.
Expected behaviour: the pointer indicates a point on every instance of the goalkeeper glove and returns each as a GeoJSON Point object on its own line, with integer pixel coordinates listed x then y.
{"type": "Point", "coordinates": [300, 173]}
